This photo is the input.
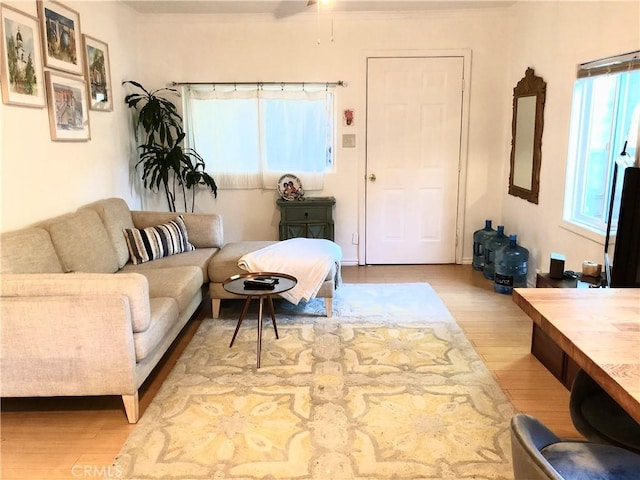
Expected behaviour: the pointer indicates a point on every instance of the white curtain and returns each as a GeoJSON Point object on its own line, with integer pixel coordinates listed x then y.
{"type": "Point", "coordinates": [249, 136]}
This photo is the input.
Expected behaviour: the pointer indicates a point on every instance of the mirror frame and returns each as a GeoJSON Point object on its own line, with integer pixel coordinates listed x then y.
{"type": "Point", "coordinates": [529, 85]}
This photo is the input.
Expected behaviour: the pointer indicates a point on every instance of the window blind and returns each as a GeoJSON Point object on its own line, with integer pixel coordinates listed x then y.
{"type": "Point", "coordinates": [615, 64]}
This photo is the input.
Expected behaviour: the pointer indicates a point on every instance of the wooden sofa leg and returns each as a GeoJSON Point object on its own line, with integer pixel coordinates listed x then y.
{"type": "Point", "coordinates": [132, 407]}
{"type": "Point", "coordinates": [215, 307]}
{"type": "Point", "coordinates": [328, 305]}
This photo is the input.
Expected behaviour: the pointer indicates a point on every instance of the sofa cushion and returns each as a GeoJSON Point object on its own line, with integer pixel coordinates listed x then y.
{"type": "Point", "coordinates": [163, 240]}
{"type": "Point", "coordinates": [82, 243]}
{"type": "Point", "coordinates": [116, 216]}
{"type": "Point", "coordinates": [29, 250]}
{"type": "Point", "coordinates": [196, 258]}
{"type": "Point", "coordinates": [225, 263]}
{"type": "Point", "coordinates": [164, 315]}
{"type": "Point", "coordinates": [180, 283]}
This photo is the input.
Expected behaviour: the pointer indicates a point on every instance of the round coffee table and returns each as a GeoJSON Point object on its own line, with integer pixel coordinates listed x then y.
{"type": "Point", "coordinates": [236, 285]}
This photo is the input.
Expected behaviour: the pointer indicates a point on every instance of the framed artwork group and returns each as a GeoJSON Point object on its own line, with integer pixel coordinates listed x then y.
{"type": "Point", "coordinates": [46, 60]}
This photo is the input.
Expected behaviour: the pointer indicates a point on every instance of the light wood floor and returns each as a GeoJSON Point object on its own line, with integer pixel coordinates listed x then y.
{"type": "Point", "coordinates": [79, 437]}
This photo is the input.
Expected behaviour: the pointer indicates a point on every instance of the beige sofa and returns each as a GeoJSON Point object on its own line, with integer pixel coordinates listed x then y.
{"type": "Point", "coordinates": [78, 318]}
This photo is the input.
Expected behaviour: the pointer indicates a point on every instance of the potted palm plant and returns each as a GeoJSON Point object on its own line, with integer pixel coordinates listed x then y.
{"type": "Point", "coordinates": [165, 163]}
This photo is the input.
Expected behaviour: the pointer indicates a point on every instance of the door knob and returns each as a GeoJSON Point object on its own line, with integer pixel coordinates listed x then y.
{"type": "Point", "coordinates": [372, 177]}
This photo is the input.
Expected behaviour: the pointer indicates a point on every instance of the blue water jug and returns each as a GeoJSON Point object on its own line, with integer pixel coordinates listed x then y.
{"type": "Point", "coordinates": [479, 239]}
{"type": "Point", "coordinates": [493, 244]}
{"type": "Point", "coordinates": [511, 267]}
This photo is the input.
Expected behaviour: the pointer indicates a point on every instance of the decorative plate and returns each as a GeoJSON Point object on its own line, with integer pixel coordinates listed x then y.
{"type": "Point", "coordinates": [290, 188]}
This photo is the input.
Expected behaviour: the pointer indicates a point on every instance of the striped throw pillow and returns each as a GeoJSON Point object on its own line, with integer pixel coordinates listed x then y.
{"type": "Point", "coordinates": [147, 244]}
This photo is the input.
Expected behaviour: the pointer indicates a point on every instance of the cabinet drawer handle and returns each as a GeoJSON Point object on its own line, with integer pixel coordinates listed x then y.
{"type": "Point", "coordinates": [306, 214]}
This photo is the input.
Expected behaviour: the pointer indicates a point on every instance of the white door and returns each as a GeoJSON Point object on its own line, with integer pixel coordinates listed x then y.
{"type": "Point", "coordinates": [414, 120]}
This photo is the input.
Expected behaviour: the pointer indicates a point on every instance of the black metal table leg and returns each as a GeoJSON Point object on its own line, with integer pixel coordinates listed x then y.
{"type": "Point", "coordinates": [244, 312]}
{"type": "Point", "coordinates": [273, 314]}
{"type": "Point", "coordinates": [261, 298]}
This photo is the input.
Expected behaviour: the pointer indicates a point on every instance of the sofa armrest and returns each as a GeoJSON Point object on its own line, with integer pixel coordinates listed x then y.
{"type": "Point", "coordinates": [204, 229]}
{"type": "Point", "coordinates": [57, 345]}
{"type": "Point", "coordinates": [71, 334]}
{"type": "Point", "coordinates": [132, 286]}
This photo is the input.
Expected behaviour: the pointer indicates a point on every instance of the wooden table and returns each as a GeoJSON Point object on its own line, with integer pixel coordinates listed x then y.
{"type": "Point", "coordinates": [599, 328]}
{"type": "Point", "coordinates": [236, 285]}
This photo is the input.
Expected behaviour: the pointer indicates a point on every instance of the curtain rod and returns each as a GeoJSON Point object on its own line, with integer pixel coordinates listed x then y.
{"type": "Point", "coordinates": [624, 57]}
{"type": "Point", "coordinates": [339, 83]}
{"type": "Point", "coordinates": [605, 66]}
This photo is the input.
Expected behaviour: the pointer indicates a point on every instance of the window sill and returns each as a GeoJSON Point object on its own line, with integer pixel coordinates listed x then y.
{"type": "Point", "coordinates": [589, 234]}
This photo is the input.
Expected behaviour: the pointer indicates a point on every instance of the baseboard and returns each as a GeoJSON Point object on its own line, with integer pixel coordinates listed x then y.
{"type": "Point", "coordinates": [349, 263]}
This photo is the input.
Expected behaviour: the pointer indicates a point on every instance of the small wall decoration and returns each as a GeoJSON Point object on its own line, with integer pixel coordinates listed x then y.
{"type": "Point", "coordinates": [348, 117]}
{"type": "Point", "coordinates": [68, 112]}
{"type": "Point", "coordinates": [61, 40]}
{"type": "Point", "coordinates": [97, 73]}
{"type": "Point", "coordinates": [21, 76]}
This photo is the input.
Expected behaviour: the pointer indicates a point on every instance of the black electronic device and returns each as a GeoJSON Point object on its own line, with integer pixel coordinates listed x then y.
{"type": "Point", "coordinates": [253, 286]}
{"type": "Point", "coordinates": [570, 274]}
{"type": "Point", "coordinates": [260, 283]}
{"type": "Point", "coordinates": [625, 271]}
{"type": "Point", "coordinates": [556, 266]}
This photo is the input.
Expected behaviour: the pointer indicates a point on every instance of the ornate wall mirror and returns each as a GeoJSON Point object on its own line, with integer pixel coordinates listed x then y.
{"type": "Point", "coordinates": [526, 136]}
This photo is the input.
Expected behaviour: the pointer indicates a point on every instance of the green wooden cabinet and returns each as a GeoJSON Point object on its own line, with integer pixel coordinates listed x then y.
{"type": "Point", "coordinates": [310, 217]}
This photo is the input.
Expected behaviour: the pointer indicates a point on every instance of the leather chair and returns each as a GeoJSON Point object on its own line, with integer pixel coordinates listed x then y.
{"type": "Point", "coordinates": [538, 454]}
{"type": "Point", "coordinates": [599, 417]}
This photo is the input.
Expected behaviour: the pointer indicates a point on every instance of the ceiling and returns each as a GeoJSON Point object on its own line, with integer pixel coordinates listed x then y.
{"type": "Point", "coordinates": [285, 8]}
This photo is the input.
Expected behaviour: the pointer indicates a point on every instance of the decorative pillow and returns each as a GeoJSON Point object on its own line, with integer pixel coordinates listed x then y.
{"type": "Point", "coordinates": [147, 244]}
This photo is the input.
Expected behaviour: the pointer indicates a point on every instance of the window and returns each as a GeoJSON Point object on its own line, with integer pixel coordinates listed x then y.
{"type": "Point", "coordinates": [250, 136]}
{"type": "Point", "coordinates": [604, 130]}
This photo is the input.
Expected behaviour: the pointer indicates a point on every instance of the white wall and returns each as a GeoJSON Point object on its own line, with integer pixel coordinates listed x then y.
{"type": "Point", "coordinates": [553, 38]}
{"type": "Point", "coordinates": [216, 48]}
{"type": "Point", "coordinates": [42, 178]}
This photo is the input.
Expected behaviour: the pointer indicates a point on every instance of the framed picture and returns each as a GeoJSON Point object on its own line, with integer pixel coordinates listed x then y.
{"type": "Point", "coordinates": [61, 40]}
{"type": "Point", "coordinates": [21, 75]}
{"type": "Point", "coordinates": [68, 108]}
{"type": "Point", "coordinates": [97, 72]}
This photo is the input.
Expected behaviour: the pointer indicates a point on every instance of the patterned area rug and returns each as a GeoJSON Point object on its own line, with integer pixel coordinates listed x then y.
{"type": "Point", "coordinates": [389, 388]}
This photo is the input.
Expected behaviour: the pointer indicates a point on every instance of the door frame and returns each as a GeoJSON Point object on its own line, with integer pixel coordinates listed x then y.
{"type": "Point", "coordinates": [465, 54]}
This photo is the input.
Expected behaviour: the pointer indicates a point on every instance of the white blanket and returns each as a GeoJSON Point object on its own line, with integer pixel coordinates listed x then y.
{"type": "Point", "coordinates": [308, 259]}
